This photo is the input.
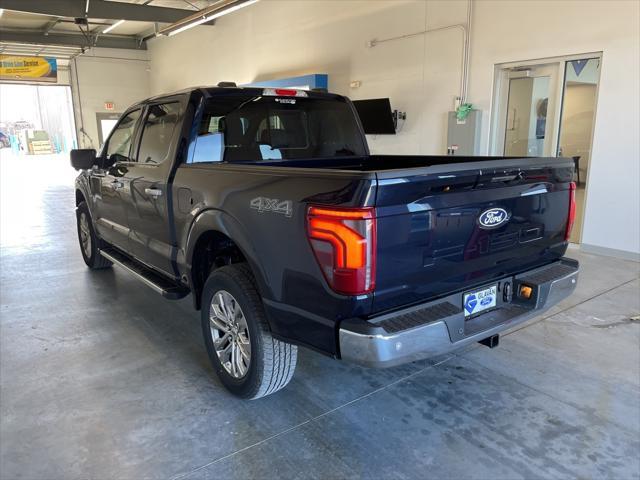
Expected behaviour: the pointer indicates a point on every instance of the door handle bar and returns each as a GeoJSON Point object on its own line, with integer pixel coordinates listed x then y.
{"type": "Point", "coordinates": [115, 185]}
{"type": "Point", "coordinates": [153, 192]}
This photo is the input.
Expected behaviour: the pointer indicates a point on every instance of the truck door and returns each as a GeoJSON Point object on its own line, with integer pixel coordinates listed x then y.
{"type": "Point", "coordinates": [108, 183]}
{"type": "Point", "coordinates": [148, 212]}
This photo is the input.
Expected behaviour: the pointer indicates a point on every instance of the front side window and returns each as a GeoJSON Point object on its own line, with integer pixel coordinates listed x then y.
{"type": "Point", "coordinates": [119, 143]}
{"type": "Point", "coordinates": [249, 128]}
{"type": "Point", "coordinates": [157, 132]}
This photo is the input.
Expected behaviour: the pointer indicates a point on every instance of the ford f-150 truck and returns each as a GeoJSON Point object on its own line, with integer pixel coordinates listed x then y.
{"type": "Point", "coordinates": [266, 206]}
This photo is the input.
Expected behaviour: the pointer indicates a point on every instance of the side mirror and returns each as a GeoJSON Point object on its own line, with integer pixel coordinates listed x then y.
{"type": "Point", "coordinates": [83, 159]}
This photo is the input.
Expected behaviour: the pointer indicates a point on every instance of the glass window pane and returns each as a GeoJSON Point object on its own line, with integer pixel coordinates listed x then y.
{"type": "Point", "coordinates": [578, 111]}
{"type": "Point", "coordinates": [119, 144]}
{"type": "Point", "coordinates": [576, 124]}
{"type": "Point", "coordinates": [158, 132]}
{"type": "Point", "coordinates": [259, 128]}
{"type": "Point", "coordinates": [526, 127]}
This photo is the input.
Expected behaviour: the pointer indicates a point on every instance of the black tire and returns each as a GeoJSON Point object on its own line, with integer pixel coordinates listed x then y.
{"type": "Point", "coordinates": [91, 256]}
{"type": "Point", "coordinates": [272, 362]}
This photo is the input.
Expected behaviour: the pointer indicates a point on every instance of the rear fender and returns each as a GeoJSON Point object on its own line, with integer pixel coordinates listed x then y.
{"type": "Point", "coordinates": [219, 221]}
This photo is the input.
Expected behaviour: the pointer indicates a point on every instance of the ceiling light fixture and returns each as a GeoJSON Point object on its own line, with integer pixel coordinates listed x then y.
{"type": "Point", "coordinates": [216, 10]}
{"type": "Point", "coordinates": [111, 27]}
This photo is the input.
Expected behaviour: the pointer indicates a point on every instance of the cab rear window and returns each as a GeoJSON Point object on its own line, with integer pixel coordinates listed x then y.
{"type": "Point", "coordinates": [257, 128]}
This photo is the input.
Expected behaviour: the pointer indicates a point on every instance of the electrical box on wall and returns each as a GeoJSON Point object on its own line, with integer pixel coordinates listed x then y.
{"type": "Point", "coordinates": [463, 136]}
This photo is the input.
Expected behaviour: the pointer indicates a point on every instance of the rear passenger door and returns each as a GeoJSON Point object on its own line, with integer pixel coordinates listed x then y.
{"type": "Point", "coordinates": [148, 207]}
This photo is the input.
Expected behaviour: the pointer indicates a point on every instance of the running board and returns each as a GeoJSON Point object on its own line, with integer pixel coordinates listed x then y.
{"type": "Point", "coordinates": [159, 284]}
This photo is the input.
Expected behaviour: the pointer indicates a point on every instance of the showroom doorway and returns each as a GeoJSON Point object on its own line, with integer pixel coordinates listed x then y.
{"type": "Point", "coordinates": [547, 108]}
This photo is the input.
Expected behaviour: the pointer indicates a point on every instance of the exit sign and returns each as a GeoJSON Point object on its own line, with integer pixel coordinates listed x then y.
{"type": "Point", "coordinates": [109, 106]}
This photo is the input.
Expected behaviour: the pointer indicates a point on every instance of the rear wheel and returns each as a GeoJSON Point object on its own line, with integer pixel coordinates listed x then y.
{"type": "Point", "coordinates": [89, 241]}
{"type": "Point", "coordinates": [246, 357]}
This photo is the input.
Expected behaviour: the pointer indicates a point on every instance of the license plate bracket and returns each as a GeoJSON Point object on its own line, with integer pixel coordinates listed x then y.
{"type": "Point", "coordinates": [479, 301]}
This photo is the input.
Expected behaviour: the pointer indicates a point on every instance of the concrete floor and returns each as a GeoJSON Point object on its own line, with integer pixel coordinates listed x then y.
{"type": "Point", "coordinates": [101, 378]}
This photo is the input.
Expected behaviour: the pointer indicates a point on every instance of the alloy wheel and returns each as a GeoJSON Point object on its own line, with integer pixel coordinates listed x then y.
{"type": "Point", "coordinates": [85, 235]}
{"type": "Point", "coordinates": [230, 334]}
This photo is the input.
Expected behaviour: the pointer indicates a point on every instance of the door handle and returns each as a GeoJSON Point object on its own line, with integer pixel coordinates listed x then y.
{"type": "Point", "coordinates": [115, 185]}
{"type": "Point", "coordinates": [153, 192]}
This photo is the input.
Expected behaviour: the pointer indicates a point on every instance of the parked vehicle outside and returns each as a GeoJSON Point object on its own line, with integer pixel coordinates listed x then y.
{"type": "Point", "coordinates": [5, 142]}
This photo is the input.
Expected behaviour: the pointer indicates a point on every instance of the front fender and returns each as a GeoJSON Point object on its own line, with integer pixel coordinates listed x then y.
{"type": "Point", "coordinates": [82, 186]}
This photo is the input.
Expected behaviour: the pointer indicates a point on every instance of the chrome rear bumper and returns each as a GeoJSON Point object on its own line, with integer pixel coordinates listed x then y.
{"type": "Point", "coordinates": [438, 327]}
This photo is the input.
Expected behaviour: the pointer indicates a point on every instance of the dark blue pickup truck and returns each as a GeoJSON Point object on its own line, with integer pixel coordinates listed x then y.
{"type": "Point", "coordinates": [266, 206]}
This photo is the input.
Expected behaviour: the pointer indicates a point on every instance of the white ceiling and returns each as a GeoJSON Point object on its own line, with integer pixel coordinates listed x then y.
{"type": "Point", "coordinates": [38, 23]}
{"type": "Point", "coordinates": [200, 4]}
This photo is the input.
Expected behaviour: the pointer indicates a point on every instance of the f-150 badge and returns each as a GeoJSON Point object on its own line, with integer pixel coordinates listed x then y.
{"type": "Point", "coordinates": [272, 205]}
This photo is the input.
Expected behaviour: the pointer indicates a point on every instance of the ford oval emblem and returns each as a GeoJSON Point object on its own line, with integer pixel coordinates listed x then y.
{"type": "Point", "coordinates": [493, 217]}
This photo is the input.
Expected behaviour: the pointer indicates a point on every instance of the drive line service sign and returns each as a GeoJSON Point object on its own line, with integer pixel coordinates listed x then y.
{"type": "Point", "coordinates": [34, 69]}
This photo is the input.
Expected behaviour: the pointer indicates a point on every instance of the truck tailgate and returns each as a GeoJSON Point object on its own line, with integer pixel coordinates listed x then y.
{"type": "Point", "coordinates": [431, 242]}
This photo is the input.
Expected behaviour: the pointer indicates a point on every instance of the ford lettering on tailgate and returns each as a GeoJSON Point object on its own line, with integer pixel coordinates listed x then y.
{"type": "Point", "coordinates": [493, 217]}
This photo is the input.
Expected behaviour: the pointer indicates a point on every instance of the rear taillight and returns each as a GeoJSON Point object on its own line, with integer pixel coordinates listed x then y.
{"type": "Point", "coordinates": [344, 243]}
{"type": "Point", "coordinates": [571, 218]}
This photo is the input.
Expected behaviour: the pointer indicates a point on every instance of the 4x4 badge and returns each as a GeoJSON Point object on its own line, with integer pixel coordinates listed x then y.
{"type": "Point", "coordinates": [273, 205]}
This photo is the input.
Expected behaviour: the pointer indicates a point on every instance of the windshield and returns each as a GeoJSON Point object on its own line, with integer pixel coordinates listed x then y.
{"type": "Point", "coordinates": [243, 128]}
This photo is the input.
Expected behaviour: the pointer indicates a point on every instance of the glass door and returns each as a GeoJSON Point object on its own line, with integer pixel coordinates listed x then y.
{"type": "Point", "coordinates": [579, 95]}
{"type": "Point", "coordinates": [529, 118]}
{"type": "Point", "coordinates": [548, 109]}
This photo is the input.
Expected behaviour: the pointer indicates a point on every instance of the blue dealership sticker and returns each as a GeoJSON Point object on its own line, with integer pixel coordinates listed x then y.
{"type": "Point", "coordinates": [471, 303]}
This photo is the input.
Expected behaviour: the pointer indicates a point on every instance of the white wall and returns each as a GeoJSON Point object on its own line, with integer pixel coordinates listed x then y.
{"type": "Point", "coordinates": [106, 75]}
{"type": "Point", "coordinates": [523, 30]}
{"type": "Point", "coordinates": [274, 39]}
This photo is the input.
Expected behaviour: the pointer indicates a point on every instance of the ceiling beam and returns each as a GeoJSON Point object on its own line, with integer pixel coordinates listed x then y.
{"type": "Point", "coordinates": [50, 25]}
{"type": "Point", "coordinates": [70, 39]}
{"type": "Point", "coordinates": [97, 9]}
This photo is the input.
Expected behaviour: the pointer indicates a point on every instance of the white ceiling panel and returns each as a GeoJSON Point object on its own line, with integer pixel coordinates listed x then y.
{"type": "Point", "coordinates": [31, 28]}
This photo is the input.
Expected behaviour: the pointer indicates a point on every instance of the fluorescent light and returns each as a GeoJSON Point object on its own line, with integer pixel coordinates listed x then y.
{"type": "Point", "coordinates": [111, 27]}
{"type": "Point", "coordinates": [1, 11]}
{"type": "Point", "coordinates": [188, 26]}
{"type": "Point", "coordinates": [219, 9]}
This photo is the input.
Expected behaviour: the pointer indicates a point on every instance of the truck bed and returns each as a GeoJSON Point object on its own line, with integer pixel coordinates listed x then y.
{"type": "Point", "coordinates": [378, 163]}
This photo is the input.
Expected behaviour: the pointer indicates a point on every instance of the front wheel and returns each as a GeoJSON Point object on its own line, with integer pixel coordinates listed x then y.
{"type": "Point", "coordinates": [246, 357]}
{"type": "Point", "coordinates": [89, 241]}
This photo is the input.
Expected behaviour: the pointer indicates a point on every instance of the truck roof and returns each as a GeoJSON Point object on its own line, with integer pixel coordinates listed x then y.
{"type": "Point", "coordinates": [217, 90]}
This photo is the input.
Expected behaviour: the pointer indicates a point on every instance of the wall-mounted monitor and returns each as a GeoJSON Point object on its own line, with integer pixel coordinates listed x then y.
{"type": "Point", "coordinates": [376, 116]}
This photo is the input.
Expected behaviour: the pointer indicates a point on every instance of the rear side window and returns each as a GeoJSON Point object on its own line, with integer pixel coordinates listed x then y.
{"type": "Point", "coordinates": [243, 128]}
{"type": "Point", "coordinates": [119, 144]}
{"type": "Point", "coordinates": [157, 132]}
{"type": "Point", "coordinates": [209, 143]}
